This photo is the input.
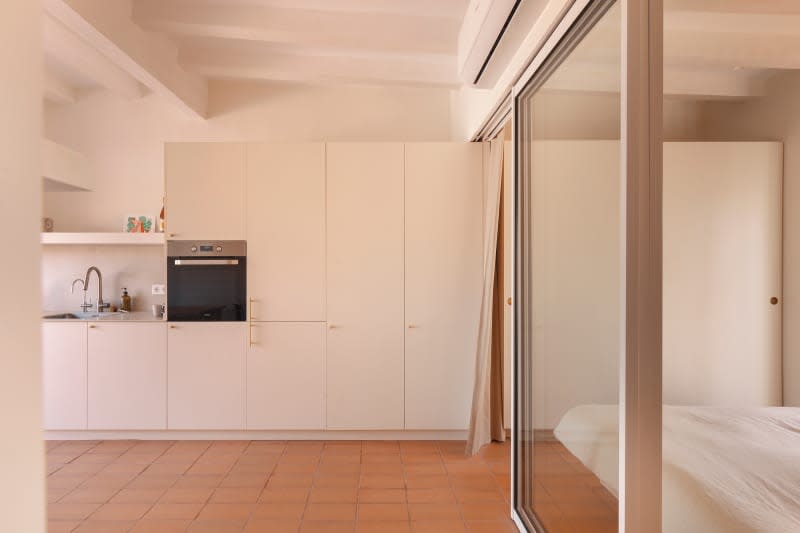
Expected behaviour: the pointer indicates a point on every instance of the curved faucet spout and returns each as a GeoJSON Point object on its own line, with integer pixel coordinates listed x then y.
{"type": "Point", "coordinates": [101, 306]}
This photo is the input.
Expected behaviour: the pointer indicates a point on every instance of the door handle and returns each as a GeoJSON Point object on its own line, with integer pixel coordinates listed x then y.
{"type": "Point", "coordinates": [412, 326]}
{"type": "Point", "coordinates": [509, 300]}
{"type": "Point", "coordinates": [332, 326]}
{"type": "Point", "coordinates": [774, 300]}
{"type": "Point", "coordinates": [250, 334]}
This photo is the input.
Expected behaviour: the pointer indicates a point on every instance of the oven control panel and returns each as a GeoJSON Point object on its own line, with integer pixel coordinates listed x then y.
{"type": "Point", "coordinates": [207, 248]}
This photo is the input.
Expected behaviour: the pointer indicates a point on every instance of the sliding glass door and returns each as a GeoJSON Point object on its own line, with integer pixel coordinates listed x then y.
{"type": "Point", "coordinates": [587, 398]}
{"type": "Point", "coordinates": [568, 125]}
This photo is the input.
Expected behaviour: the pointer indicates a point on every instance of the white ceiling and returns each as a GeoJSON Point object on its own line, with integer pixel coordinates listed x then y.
{"type": "Point", "coordinates": [713, 48]}
{"type": "Point", "coordinates": [373, 41]}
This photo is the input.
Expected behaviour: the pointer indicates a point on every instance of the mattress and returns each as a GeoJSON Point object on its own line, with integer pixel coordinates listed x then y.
{"type": "Point", "coordinates": [725, 470]}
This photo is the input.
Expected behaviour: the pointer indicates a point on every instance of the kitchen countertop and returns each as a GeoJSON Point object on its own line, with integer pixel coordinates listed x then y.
{"type": "Point", "coordinates": [136, 316]}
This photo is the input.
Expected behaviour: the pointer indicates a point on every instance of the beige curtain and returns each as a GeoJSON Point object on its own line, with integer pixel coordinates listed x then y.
{"type": "Point", "coordinates": [485, 406]}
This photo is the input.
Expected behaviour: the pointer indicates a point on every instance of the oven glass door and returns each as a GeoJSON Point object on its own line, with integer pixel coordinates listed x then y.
{"type": "Point", "coordinates": [206, 289]}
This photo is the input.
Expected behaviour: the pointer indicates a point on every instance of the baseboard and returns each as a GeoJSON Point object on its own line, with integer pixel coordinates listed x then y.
{"type": "Point", "coordinates": [256, 435]}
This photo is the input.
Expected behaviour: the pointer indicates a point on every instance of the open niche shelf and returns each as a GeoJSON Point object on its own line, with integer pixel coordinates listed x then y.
{"type": "Point", "coordinates": [133, 239]}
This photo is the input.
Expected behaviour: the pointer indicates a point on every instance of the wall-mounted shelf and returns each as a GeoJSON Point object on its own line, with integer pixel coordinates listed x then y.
{"type": "Point", "coordinates": [132, 239]}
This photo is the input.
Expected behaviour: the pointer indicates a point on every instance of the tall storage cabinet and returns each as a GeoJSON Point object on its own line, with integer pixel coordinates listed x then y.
{"type": "Point", "coordinates": [365, 370]}
{"type": "Point", "coordinates": [286, 285]}
{"type": "Point", "coordinates": [286, 375]}
{"type": "Point", "coordinates": [205, 192]}
{"type": "Point", "coordinates": [443, 273]}
{"type": "Point", "coordinates": [286, 231]}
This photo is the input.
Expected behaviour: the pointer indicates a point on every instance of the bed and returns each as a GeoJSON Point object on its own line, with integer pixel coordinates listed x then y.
{"type": "Point", "coordinates": [726, 470]}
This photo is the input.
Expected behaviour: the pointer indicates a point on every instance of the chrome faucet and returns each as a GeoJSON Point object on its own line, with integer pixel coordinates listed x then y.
{"type": "Point", "coordinates": [101, 306]}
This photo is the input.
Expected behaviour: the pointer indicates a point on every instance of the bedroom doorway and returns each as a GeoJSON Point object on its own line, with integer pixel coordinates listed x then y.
{"type": "Point", "coordinates": [568, 283]}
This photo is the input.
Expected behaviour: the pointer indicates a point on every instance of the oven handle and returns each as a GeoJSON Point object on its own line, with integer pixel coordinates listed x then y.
{"type": "Point", "coordinates": [206, 262]}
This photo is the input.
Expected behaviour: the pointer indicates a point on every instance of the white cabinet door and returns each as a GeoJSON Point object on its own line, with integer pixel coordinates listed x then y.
{"type": "Point", "coordinates": [64, 375]}
{"type": "Point", "coordinates": [286, 376]}
{"type": "Point", "coordinates": [365, 286]}
{"type": "Point", "coordinates": [286, 231]}
{"type": "Point", "coordinates": [443, 195]}
{"type": "Point", "coordinates": [205, 191]}
{"type": "Point", "coordinates": [206, 374]}
{"type": "Point", "coordinates": [127, 376]}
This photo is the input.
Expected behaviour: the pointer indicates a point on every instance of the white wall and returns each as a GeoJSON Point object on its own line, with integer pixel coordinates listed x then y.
{"type": "Point", "coordinates": [124, 140]}
{"type": "Point", "coordinates": [135, 267]}
{"type": "Point", "coordinates": [776, 117]}
{"type": "Point", "coordinates": [21, 448]}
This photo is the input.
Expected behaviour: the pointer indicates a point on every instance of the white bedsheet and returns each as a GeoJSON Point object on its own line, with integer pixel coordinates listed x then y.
{"type": "Point", "coordinates": [725, 469]}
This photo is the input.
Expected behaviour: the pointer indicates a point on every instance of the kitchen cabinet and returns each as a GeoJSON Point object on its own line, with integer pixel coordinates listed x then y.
{"type": "Point", "coordinates": [286, 231]}
{"type": "Point", "coordinates": [206, 375]}
{"type": "Point", "coordinates": [443, 281]}
{"type": "Point", "coordinates": [365, 370]}
{"type": "Point", "coordinates": [286, 376]}
{"type": "Point", "coordinates": [127, 369]}
{"type": "Point", "coordinates": [64, 375]}
{"type": "Point", "coordinates": [205, 191]}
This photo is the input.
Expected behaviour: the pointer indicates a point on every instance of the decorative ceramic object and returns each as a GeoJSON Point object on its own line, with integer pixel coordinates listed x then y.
{"type": "Point", "coordinates": [138, 224]}
{"type": "Point", "coordinates": [48, 225]}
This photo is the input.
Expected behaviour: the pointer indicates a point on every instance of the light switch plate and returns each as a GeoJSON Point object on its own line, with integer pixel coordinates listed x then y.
{"type": "Point", "coordinates": [159, 289]}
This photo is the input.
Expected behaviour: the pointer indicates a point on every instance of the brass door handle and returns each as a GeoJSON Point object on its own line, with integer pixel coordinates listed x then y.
{"type": "Point", "coordinates": [173, 326]}
{"type": "Point", "coordinates": [774, 300]}
{"type": "Point", "coordinates": [332, 326]}
{"type": "Point", "coordinates": [250, 332]}
{"type": "Point", "coordinates": [412, 326]}
{"type": "Point", "coordinates": [92, 326]}
{"type": "Point", "coordinates": [509, 300]}
{"type": "Point", "coordinates": [251, 309]}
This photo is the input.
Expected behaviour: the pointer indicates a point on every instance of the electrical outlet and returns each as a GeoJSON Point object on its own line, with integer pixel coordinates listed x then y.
{"type": "Point", "coordinates": [159, 289]}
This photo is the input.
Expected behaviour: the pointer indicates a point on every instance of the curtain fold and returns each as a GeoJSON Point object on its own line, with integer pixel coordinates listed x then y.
{"type": "Point", "coordinates": [480, 424]}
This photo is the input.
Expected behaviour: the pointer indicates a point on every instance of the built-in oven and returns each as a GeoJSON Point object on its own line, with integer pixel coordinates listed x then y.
{"type": "Point", "coordinates": [206, 281]}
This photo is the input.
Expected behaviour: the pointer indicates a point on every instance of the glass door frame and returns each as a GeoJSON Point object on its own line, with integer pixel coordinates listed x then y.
{"type": "Point", "coordinates": [641, 237]}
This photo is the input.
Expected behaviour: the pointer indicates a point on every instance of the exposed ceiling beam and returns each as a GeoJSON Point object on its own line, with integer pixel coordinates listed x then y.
{"type": "Point", "coordinates": [57, 91]}
{"type": "Point", "coordinates": [777, 7]}
{"type": "Point", "coordinates": [708, 83]}
{"type": "Point", "coordinates": [741, 23]}
{"type": "Point", "coordinates": [740, 50]}
{"type": "Point", "coordinates": [453, 9]}
{"type": "Point", "coordinates": [64, 46]}
{"type": "Point", "coordinates": [373, 31]}
{"type": "Point", "coordinates": [323, 67]}
{"type": "Point", "coordinates": [150, 59]}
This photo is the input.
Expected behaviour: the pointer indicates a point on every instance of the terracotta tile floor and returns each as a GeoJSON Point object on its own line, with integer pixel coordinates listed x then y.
{"type": "Point", "coordinates": [277, 487]}
{"type": "Point", "coordinates": [567, 497]}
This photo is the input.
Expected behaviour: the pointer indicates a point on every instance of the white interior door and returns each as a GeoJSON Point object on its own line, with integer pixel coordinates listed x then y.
{"type": "Point", "coordinates": [443, 192]}
{"type": "Point", "coordinates": [365, 286]}
{"type": "Point", "coordinates": [286, 231]}
{"type": "Point", "coordinates": [722, 267]}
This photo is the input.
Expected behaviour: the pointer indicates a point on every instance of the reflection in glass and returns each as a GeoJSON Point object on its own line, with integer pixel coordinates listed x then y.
{"type": "Point", "coordinates": [731, 450]}
{"type": "Point", "coordinates": [568, 283]}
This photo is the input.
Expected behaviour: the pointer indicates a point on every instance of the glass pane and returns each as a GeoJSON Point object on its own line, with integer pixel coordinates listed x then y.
{"type": "Point", "coordinates": [569, 260]}
{"type": "Point", "coordinates": [731, 119]}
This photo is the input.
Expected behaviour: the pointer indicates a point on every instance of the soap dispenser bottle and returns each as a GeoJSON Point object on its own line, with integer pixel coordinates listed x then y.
{"type": "Point", "coordinates": [125, 304]}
